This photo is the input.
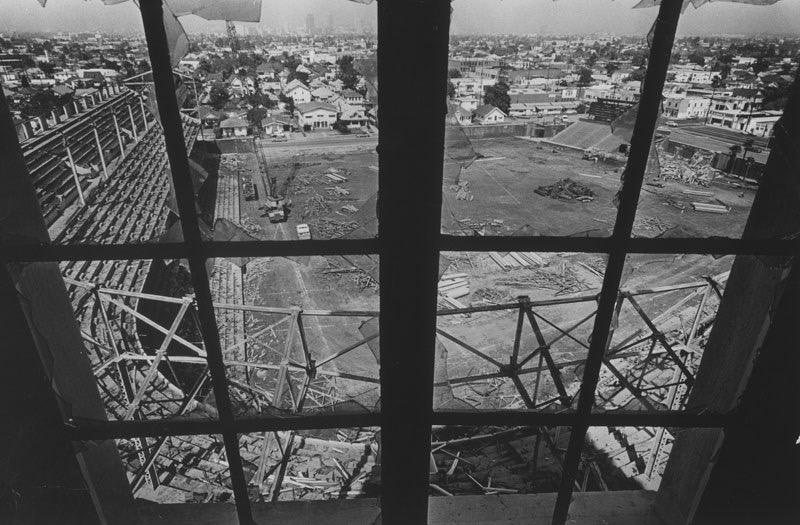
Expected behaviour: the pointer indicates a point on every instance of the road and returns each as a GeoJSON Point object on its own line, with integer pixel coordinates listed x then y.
{"type": "Point", "coordinates": [315, 143]}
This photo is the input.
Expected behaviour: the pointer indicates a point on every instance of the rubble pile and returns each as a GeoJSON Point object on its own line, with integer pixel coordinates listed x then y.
{"type": "Point", "coordinates": [562, 279]}
{"type": "Point", "coordinates": [233, 161]}
{"type": "Point", "coordinates": [359, 277]}
{"type": "Point", "coordinates": [314, 206]}
{"type": "Point", "coordinates": [566, 189]}
{"type": "Point", "coordinates": [299, 185]}
{"type": "Point", "coordinates": [489, 295]}
{"type": "Point", "coordinates": [325, 228]}
{"type": "Point", "coordinates": [696, 170]}
{"type": "Point", "coordinates": [488, 460]}
{"type": "Point", "coordinates": [248, 188]}
{"type": "Point", "coordinates": [654, 224]}
{"type": "Point", "coordinates": [462, 191]}
{"type": "Point", "coordinates": [319, 469]}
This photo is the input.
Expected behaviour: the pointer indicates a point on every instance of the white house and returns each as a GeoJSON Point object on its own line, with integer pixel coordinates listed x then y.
{"type": "Point", "coordinates": [316, 115]}
{"type": "Point", "coordinates": [488, 114]}
{"type": "Point", "coordinates": [233, 127]}
{"type": "Point", "coordinates": [298, 92]}
{"type": "Point", "coordinates": [353, 98]}
{"type": "Point", "coordinates": [680, 106]}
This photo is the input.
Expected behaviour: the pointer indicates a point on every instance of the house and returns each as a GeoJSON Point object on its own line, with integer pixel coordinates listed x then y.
{"type": "Point", "coordinates": [458, 114]}
{"type": "Point", "coordinates": [316, 115]}
{"type": "Point", "coordinates": [354, 98]}
{"type": "Point", "coordinates": [298, 92]}
{"type": "Point", "coordinates": [353, 116]}
{"type": "Point", "coordinates": [488, 114]}
{"type": "Point", "coordinates": [680, 106]}
{"type": "Point", "coordinates": [276, 124]}
{"type": "Point", "coordinates": [233, 127]}
{"type": "Point", "coordinates": [322, 93]}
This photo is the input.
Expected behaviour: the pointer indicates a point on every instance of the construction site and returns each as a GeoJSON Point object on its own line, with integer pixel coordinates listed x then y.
{"type": "Point", "coordinates": [301, 335]}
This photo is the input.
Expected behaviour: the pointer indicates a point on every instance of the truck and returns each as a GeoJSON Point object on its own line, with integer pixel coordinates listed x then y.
{"type": "Point", "coordinates": [303, 232]}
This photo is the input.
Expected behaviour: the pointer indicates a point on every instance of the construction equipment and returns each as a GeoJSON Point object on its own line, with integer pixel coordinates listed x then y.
{"type": "Point", "coordinates": [277, 206]}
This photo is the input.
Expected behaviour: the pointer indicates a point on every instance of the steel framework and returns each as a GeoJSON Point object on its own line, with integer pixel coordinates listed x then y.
{"type": "Point", "coordinates": [297, 381]}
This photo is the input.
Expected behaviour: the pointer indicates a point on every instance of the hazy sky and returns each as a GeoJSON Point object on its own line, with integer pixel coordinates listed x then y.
{"type": "Point", "coordinates": [473, 16]}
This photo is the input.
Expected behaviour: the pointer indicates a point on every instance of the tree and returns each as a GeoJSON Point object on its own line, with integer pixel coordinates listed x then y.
{"type": "Point", "coordinates": [611, 68]}
{"type": "Point", "coordinates": [451, 90]}
{"type": "Point", "coordinates": [697, 58]}
{"type": "Point", "coordinates": [256, 115]}
{"type": "Point", "coordinates": [591, 59]}
{"type": "Point", "coordinates": [637, 74]}
{"type": "Point", "coordinates": [716, 83]}
{"type": "Point", "coordinates": [759, 66]}
{"type": "Point", "coordinates": [341, 127]}
{"type": "Point", "coordinates": [289, 101]}
{"type": "Point", "coordinates": [47, 68]}
{"type": "Point", "coordinates": [453, 73]}
{"type": "Point", "coordinates": [585, 76]}
{"type": "Point", "coordinates": [347, 72]}
{"type": "Point", "coordinates": [497, 95]}
{"type": "Point", "coordinates": [218, 97]}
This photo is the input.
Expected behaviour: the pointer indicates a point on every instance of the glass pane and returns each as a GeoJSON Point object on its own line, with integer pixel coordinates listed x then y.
{"type": "Point", "coordinates": [139, 326]}
{"type": "Point", "coordinates": [525, 312]}
{"type": "Point", "coordinates": [300, 335]}
{"type": "Point", "coordinates": [496, 461]}
{"type": "Point", "coordinates": [325, 464]}
{"type": "Point", "coordinates": [664, 316]}
{"type": "Point", "coordinates": [290, 123]}
{"type": "Point", "coordinates": [86, 119]}
{"type": "Point", "coordinates": [722, 100]}
{"type": "Point", "coordinates": [529, 145]}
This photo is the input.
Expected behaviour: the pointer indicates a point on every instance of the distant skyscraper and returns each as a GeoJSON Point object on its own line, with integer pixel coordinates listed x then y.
{"type": "Point", "coordinates": [330, 23]}
{"type": "Point", "coordinates": [310, 29]}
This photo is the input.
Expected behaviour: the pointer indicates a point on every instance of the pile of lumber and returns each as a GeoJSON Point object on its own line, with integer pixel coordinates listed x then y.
{"type": "Point", "coordinates": [337, 191]}
{"type": "Point", "coordinates": [325, 228]}
{"type": "Point", "coordinates": [360, 278]}
{"type": "Point", "coordinates": [652, 224]}
{"type": "Point", "coordinates": [563, 280]}
{"type": "Point", "coordinates": [566, 189]}
{"type": "Point", "coordinates": [314, 206]}
{"type": "Point", "coordinates": [489, 295]}
{"type": "Point", "coordinates": [710, 208]}
{"type": "Point", "coordinates": [516, 260]}
{"type": "Point", "coordinates": [334, 175]}
{"type": "Point", "coordinates": [455, 285]}
{"type": "Point", "coordinates": [299, 185]}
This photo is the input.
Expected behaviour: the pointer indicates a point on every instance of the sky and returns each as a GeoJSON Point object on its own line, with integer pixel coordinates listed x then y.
{"type": "Point", "coordinates": [469, 16]}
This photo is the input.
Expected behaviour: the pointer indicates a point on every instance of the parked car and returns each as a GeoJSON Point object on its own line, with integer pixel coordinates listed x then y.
{"type": "Point", "coordinates": [303, 232]}
{"type": "Point", "coordinates": [363, 135]}
{"type": "Point", "coordinates": [280, 139]}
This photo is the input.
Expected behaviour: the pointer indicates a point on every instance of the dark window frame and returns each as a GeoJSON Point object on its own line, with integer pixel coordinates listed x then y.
{"type": "Point", "coordinates": [412, 36]}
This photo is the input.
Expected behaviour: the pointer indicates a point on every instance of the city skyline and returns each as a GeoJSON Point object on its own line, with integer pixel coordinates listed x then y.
{"type": "Point", "coordinates": [469, 17]}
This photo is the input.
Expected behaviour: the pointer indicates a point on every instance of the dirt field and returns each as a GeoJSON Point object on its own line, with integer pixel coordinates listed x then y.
{"type": "Point", "coordinates": [503, 182]}
{"type": "Point", "coordinates": [359, 167]}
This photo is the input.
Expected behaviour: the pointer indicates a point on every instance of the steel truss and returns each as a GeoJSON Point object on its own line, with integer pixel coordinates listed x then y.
{"type": "Point", "coordinates": [292, 392]}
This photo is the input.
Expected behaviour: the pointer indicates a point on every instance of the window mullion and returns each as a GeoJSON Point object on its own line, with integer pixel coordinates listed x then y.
{"type": "Point", "coordinates": [158, 48]}
{"type": "Point", "coordinates": [412, 68]}
{"type": "Point", "coordinates": [649, 105]}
